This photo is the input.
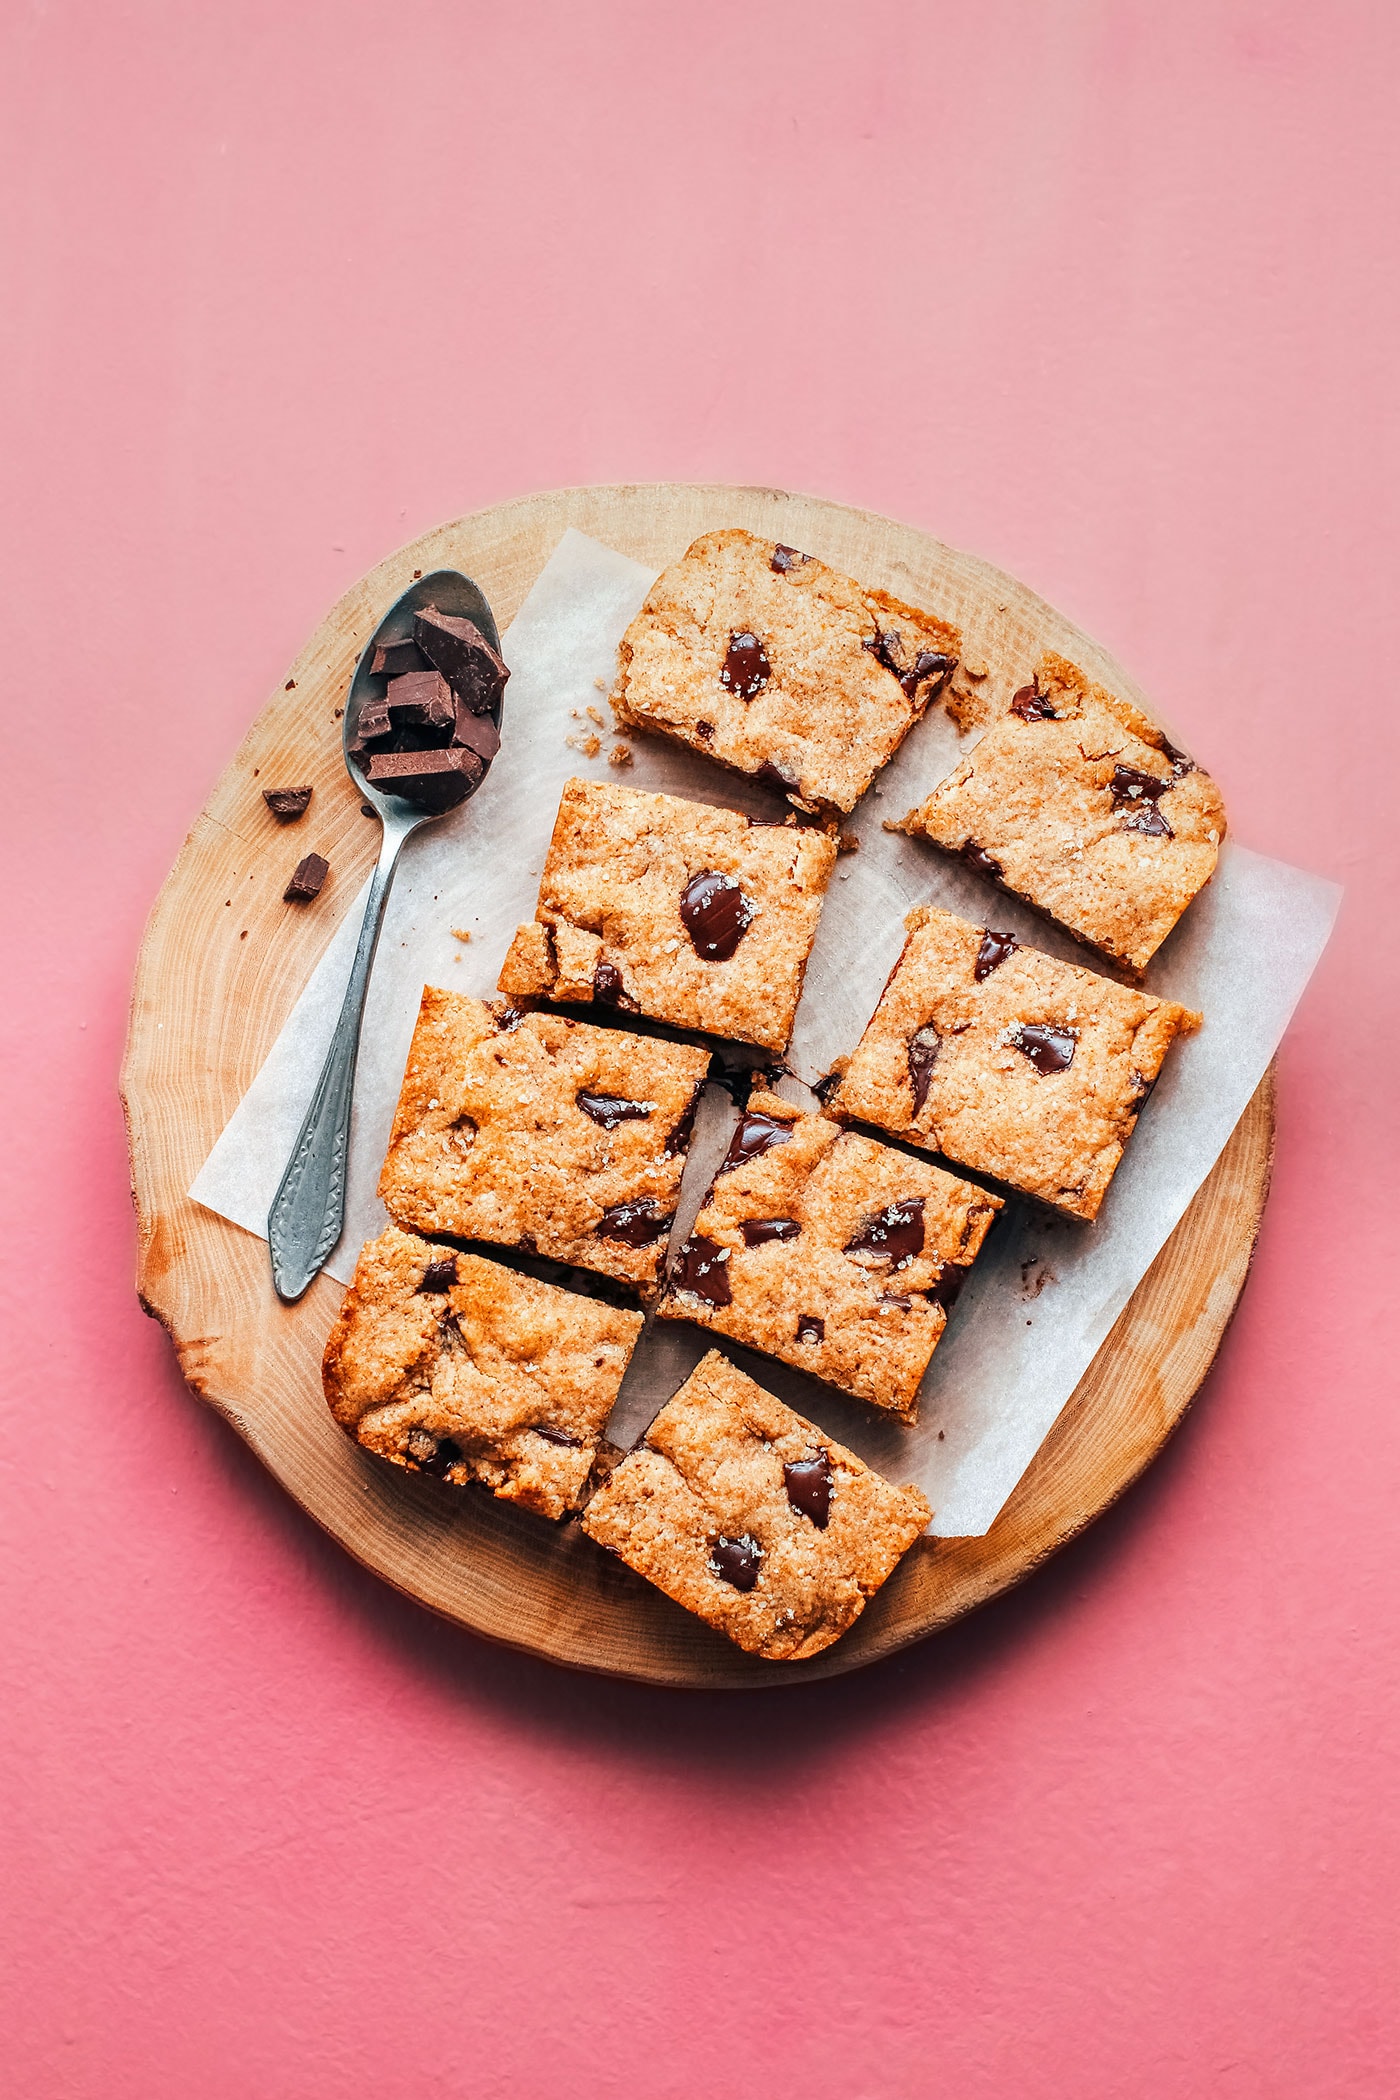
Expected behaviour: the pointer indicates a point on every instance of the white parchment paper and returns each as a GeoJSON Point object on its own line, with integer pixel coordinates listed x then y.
{"type": "Point", "coordinates": [1045, 1292]}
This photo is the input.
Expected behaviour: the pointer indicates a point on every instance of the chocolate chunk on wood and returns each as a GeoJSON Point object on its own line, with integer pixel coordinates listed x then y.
{"type": "Point", "coordinates": [308, 881]}
{"type": "Point", "coordinates": [465, 658]}
{"type": "Point", "coordinates": [287, 804]}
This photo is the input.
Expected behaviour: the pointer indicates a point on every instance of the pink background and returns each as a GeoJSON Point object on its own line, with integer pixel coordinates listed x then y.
{"type": "Point", "coordinates": [1104, 291]}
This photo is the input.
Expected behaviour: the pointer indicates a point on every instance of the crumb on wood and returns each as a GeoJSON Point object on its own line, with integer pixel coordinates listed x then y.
{"type": "Point", "coordinates": [620, 755]}
{"type": "Point", "coordinates": [290, 686]}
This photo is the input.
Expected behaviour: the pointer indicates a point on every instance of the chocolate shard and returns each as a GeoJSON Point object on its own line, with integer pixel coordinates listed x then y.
{"type": "Point", "coordinates": [737, 1560]}
{"type": "Point", "coordinates": [1049, 1049]}
{"type": "Point", "coordinates": [715, 913]}
{"type": "Point", "coordinates": [440, 1275]}
{"type": "Point", "coordinates": [746, 669]}
{"type": "Point", "coordinates": [684, 1130]}
{"type": "Point", "coordinates": [476, 733]}
{"type": "Point", "coordinates": [1032, 706]}
{"type": "Point", "coordinates": [371, 723]}
{"type": "Point", "coordinates": [552, 1435]}
{"type": "Point", "coordinates": [702, 1268]}
{"type": "Point", "coordinates": [808, 1484]}
{"type": "Point", "coordinates": [993, 953]}
{"type": "Point", "coordinates": [896, 1232]}
{"type": "Point", "coordinates": [421, 700]}
{"type": "Point", "coordinates": [888, 648]}
{"type": "Point", "coordinates": [1137, 793]}
{"type": "Point", "coordinates": [465, 658]}
{"type": "Point", "coordinates": [396, 659]}
{"type": "Point", "coordinates": [287, 804]}
{"type": "Point", "coordinates": [921, 1057]}
{"type": "Point", "coordinates": [308, 880]}
{"type": "Point", "coordinates": [431, 780]}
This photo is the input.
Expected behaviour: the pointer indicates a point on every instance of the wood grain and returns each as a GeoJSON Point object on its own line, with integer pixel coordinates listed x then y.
{"type": "Point", "coordinates": [221, 965]}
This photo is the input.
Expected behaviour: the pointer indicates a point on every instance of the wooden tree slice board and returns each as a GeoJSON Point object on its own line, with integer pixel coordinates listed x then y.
{"type": "Point", "coordinates": [223, 962]}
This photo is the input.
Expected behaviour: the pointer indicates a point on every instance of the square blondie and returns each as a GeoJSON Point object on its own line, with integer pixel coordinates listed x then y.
{"type": "Point", "coordinates": [829, 1251]}
{"type": "Point", "coordinates": [690, 914]}
{"type": "Point", "coordinates": [541, 1132]}
{"type": "Point", "coordinates": [452, 1365]}
{"type": "Point", "coordinates": [1008, 1061]}
{"type": "Point", "coordinates": [751, 1518]}
{"type": "Point", "coordinates": [779, 667]}
{"type": "Point", "coordinates": [1077, 803]}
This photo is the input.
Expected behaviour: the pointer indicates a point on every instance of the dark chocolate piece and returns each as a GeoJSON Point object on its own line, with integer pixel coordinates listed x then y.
{"type": "Point", "coordinates": [635, 1224]}
{"type": "Point", "coordinates": [1049, 1049]}
{"type": "Point", "coordinates": [893, 1299]}
{"type": "Point", "coordinates": [476, 733]}
{"type": "Point", "coordinates": [555, 1436]}
{"type": "Point", "coordinates": [433, 780]}
{"type": "Point", "coordinates": [737, 1560]}
{"type": "Point", "coordinates": [397, 659]}
{"type": "Point", "coordinates": [993, 953]}
{"type": "Point", "coordinates": [440, 1275]}
{"type": "Point", "coordinates": [612, 1109]}
{"type": "Point", "coordinates": [703, 1270]}
{"type": "Point", "coordinates": [287, 804]}
{"type": "Point", "coordinates": [921, 1057]}
{"type": "Point", "coordinates": [464, 656]}
{"type": "Point", "coordinates": [757, 1133]}
{"type": "Point", "coordinates": [433, 1454]}
{"type": "Point", "coordinates": [888, 648]}
{"type": "Point", "coordinates": [808, 1484]}
{"type": "Point", "coordinates": [1032, 706]}
{"type": "Point", "coordinates": [608, 987]}
{"type": "Point", "coordinates": [716, 914]}
{"type": "Point", "coordinates": [810, 1328]}
{"type": "Point", "coordinates": [826, 1086]}
{"type": "Point", "coordinates": [759, 1231]}
{"type": "Point", "coordinates": [684, 1129]}
{"type": "Point", "coordinates": [705, 729]}
{"type": "Point", "coordinates": [421, 700]}
{"type": "Point", "coordinates": [982, 861]}
{"type": "Point", "coordinates": [1180, 762]}
{"type": "Point", "coordinates": [948, 1288]}
{"type": "Point", "coordinates": [784, 558]}
{"type": "Point", "coordinates": [739, 1080]}
{"type": "Point", "coordinates": [1138, 793]}
{"type": "Point", "coordinates": [746, 668]}
{"type": "Point", "coordinates": [308, 881]}
{"type": "Point", "coordinates": [896, 1231]}
{"type": "Point", "coordinates": [371, 723]}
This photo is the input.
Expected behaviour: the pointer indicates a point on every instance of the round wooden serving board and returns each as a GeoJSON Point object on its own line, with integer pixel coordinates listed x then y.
{"type": "Point", "coordinates": [223, 962]}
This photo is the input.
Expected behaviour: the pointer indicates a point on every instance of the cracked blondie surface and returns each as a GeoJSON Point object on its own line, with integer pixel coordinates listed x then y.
{"type": "Point", "coordinates": [830, 1251]}
{"type": "Point", "coordinates": [1077, 803]}
{"type": "Point", "coordinates": [538, 1131]}
{"type": "Point", "coordinates": [1009, 1061]}
{"type": "Point", "coordinates": [449, 1364]}
{"type": "Point", "coordinates": [660, 906]}
{"type": "Point", "coordinates": [775, 665]}
{"type": "Point", "coordinates": [752, 1518]}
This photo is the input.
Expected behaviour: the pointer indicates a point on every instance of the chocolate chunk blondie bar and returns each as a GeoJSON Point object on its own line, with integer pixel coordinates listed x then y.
{"type": "Point", "coordinates": [674, 909]}
{"type": "Point", "coordinates": [1008, 1061]}
{"type": "Point", "coordinates": [777, 666]}
{"type": "Point", "coordinates": [449, 1364]}
{"type": "Point", "coordinates": [750, 1517]}
{"type": "Point", "coordinates": [829, 1251]}
{"type": "Point", "coordinates": [541, 1132]}
{"type": "Point", "coordinates": [1074, 801]}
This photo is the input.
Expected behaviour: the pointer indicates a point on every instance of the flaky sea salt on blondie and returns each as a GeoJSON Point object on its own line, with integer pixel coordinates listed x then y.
{"type": "Point", "coordinates": [830, 1251]}
{"type": "Point", "coordinates": [777, 666]}
{"type": "Point", "coordinates": [450, 1364]}
{"type": "Point", "coordinates": [1074, 801]}
{"type": "Point", "coordinates": [1008, 1061]}
{"type": "Point", "coordinates": [541, 1132]}
{"type": "Point", "coordinates": [690, 914]}
{"type": "Point", "coordinates": [752, 1518]}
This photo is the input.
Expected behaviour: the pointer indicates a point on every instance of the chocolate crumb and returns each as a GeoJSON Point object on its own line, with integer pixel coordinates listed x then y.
{"type": "Point", "coordinates": [307, 881]}
{"type": "Point", "coordinates": [287, 804]}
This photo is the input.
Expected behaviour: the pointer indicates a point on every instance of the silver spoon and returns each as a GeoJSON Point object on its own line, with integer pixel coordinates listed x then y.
{"type": "Point", "coordinates": [308, 1211]}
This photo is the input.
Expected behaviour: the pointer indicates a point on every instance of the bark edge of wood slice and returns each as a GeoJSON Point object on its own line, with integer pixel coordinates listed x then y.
{"type": "Point", "coordinates": [223, 961]}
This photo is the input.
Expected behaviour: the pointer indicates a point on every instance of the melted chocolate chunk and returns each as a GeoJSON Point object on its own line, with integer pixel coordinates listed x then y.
{"type": "Point", "coordinates": [433, 1454]}
{"type": "Point", "coordinates": [705, 729]}
{"type": "Point", "coordinates": [739, 1080]}
{"type": "Point", "coordinates": [1180, 762]}
{"type": "Point", "coordinates": [993, 952]}
{"type": "Point", "coordinates": [785, 558]}
{"type": "Point", "coordinates": [612, 1109]}
{"type": "Point", "coordinates": [308, 880]}
{"type": "Point", "coordinates": [555, 1436]}
{"type": "Point", "coordinates": [1138, 792]}
{"type": "Point", "coordinates": [701, 1271]}
{"type": "Point", "coordinates": [921, 1056]}
{"type": "Point", "coordinates": [1049, 1049]}
{"type": "Point", "coordinates": [608, 988]}
{"type": "Point", "coordinates": [983, 862]}
{"type": "Point", "coordinates": [737, 1560]}
{"type": "Point", "coordinates": [635, 1224]}
{"type": "Point", "coordinates": [440, 1275]}
{"type": "Point", "coordinates": [896, 1231]}
{"type": "Point", "coordinates": [810, 1328]}
{"type": "Point", "coordinates": [893, 1299]}
{"type": "Point", "coordinates": [757, 1133]}
{"type": "Point", "coordinates": [826, 1086]}
{"type": "Point", "coordinates": [1032, 706]}
{"type": "Point", "coordinates": [888, 649]}
{"type": "Point", "coordinates": [684, 1131]}
{"type": "Point", "coordinates": [759, 1231]}
{"type": "Point", "coordinates": [949, 1285]}
{"type": "Point", "coordinates": [808, 1484]}
{"type": "Point", "coordinates": [716, 914]}
{"type": "Point", "coordinates": [287, 804]}
{"type": "Point", "coordinates": [746, 667]}
{"type": "Point", "coordinates": [775, 776]}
